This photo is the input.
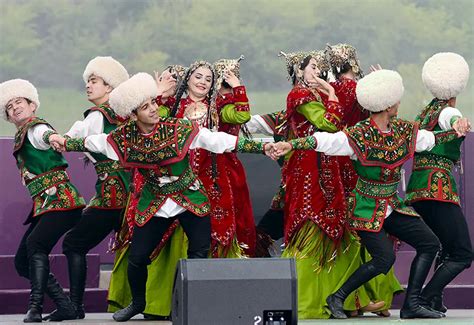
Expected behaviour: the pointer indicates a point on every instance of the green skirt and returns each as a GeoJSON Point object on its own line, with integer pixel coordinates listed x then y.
{"type": "Point", "coordinates": [322, 267]}
{"type": "Point", "coordinates": [161, 272]}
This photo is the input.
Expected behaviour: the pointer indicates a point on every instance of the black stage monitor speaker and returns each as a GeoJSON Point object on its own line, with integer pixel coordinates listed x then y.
{"type": "Point", "coordinates": [226, 291]}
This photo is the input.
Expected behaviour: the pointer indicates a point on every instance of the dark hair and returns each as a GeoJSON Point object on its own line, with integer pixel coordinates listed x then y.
{"type": "Point", "coordinates": [183, 86]}
{"type": "Point", "coordinates": [323, 74]}
{"type": "Point", "coordinates": [28, 101]}
{"type": "Point", "coordinates": [346, 67]}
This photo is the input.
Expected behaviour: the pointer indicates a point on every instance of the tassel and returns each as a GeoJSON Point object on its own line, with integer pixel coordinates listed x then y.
{"type": "Point", "coordinates": [404, 186]}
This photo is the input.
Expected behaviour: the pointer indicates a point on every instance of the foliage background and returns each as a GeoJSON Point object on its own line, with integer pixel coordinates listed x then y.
{"type": "Point", "coordinates": [49, 42]}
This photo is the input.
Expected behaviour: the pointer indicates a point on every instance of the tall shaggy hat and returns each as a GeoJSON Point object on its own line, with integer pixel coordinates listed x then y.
{"type": "Point", "coordinates": [130, 94]}
{"type": "Point", "coordinates": [379, 90]}
{"type": "Point", "coordinates": [445, 75]}
{"type": "Point", "coordinates": [107, 68]}
{"type": "Point", "coordinates": [342, 54]}
{"type": "Point", "coordinates": [16, 88]}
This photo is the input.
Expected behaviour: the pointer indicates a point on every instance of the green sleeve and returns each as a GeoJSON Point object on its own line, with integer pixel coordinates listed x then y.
{"type": "Point", "coordinates": [230, 115]}
{"type": "Point", "coordinates": [163, 111]}
{"type": "Point", "coordinates": [315, 113]}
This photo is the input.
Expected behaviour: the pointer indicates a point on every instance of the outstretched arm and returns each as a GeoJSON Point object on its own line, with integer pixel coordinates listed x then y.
{"type": "Point", "coordinates": [333, 144]}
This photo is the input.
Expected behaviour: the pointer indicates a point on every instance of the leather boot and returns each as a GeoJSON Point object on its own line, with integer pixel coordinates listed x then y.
{"type": "Point", "coordinates": [77, 264]}
{"type": "Point", "coordinates": [335, 301]}
{"type": "Point", "coordinates": [38, 272]}
{"type": "Point", "coordinates": [412, 307]}
{"type": "Point", "coordinates": [432, 294]}
{"type": "Point", "coordinates": [65, 309]}
{"type": "Point", "coordinates": [137, 276]}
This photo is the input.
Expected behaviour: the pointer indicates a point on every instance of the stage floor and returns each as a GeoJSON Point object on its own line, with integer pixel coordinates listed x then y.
{"type": "Point", "coordinates": [456, 317]}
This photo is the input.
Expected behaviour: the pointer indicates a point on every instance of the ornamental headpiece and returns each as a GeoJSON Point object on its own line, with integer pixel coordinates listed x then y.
{"type": "Point", "coordinates": [321, 60]}
{"type": "Point", "coordinates": [177, 70]}
{"type": "Point", "coordinates": [224, 65]}
{"type": "Point", "coordinates": [342, 54]}
{"type": "Point", "coordinates": [293, 61]}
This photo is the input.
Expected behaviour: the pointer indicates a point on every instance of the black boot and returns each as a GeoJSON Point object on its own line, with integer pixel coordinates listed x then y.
{"type": "Point", "coordinates": [433, 292]}
{"type": "Point", "coordinates": [336, 301]}
{"type": "Point", "coordinates": [65, 310]}
{"type": "Point", "coordinates": [38, 272]}
{"type": "Point", "coordinates": [137, 276]}
{"type": "Point", "coordinates": [77, 264]}
{"type": "Point", "coordinates": [412, 306]}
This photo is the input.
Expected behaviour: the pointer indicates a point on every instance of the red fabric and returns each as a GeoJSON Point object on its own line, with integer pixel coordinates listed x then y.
{"type": "Point", "coordinates": [231, 209]}
{"type": "Point", "coordinates": [352, 113]}
{"type": "Point", "coordinates": [313, 184]}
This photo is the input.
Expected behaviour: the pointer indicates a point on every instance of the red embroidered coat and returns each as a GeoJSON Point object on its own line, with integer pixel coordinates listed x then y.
{"type": "Point", "coordinates": [313, 186]}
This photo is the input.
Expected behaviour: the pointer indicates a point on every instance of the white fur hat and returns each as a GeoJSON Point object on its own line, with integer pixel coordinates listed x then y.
{"type": "Point", "coordinates": [445, 75]}
{"type": "Point", "coordinates": [130, 94]}
{"type": "Point", "coordinates": [107, 68]}
{"type": "Point", "coordinates": [16, 88]}
{"type": "Point", "coordinates": [379, 90]}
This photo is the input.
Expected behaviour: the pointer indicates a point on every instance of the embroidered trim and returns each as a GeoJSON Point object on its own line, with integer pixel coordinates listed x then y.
{"type": "Point", "coordinates": [376, 189]}
{"type": "Point", "coordinates": [249, 146]}
{"type": "Point", "coordinates": [47, 134]}
{"type": "Point", "coordinates": [107, 167]}
{"type": "Point", "coordinates": [307, 143]}
{"type": "Point", "coordinates": [45, 181]}
{"type": "Point", "coordinates": [76, 144]}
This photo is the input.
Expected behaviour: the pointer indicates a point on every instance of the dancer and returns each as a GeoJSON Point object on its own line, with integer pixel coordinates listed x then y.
{"type": "Point", "coordinates": [432, 188]}
{"type": "Point", "coordinates": [104, 212]}
{"type": "Point", "coordinates": [57, 204]}
{"type": "Point", "coordinates": [346, 68]}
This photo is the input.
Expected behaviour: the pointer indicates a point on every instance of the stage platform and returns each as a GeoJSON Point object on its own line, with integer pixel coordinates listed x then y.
{"type": "Point", "coordinates": [454, 317]}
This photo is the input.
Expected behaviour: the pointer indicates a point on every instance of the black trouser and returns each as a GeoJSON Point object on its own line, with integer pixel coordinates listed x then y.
{"type": "Point", "coordinates": [94, 225]}
{"type": "Point", "coordinates": [448, 223]}
{"type": "Point", "coordinates": [146, 238]}
{"type": "Point", "coordinates": [92, 228]}
{"type": "Point", "coordinates": [42, 234]}
{"type": "Point", "coordinates": [272, 223]}
{"type": "Point", "coordinates": [411, 230]}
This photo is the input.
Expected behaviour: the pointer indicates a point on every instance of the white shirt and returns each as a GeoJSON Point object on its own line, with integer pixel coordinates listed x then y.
{"type": "Point", "coordinates": [35, 136]}
{"type": "Point", "coordinates": [92, 124]}
{"type": "Point", "coordinates": [258, 125]}
{"type": "Point", "coordinates": [217, 142]}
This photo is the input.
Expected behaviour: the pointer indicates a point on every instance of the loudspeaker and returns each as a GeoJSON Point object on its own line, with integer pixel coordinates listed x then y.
{"type": "Point", "coordinates": [257, 291]}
